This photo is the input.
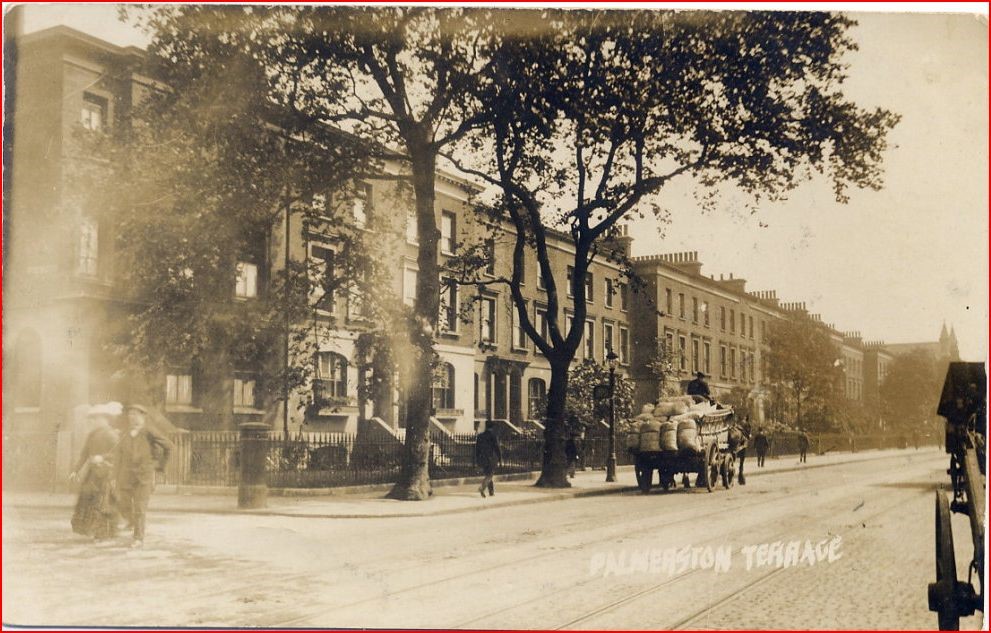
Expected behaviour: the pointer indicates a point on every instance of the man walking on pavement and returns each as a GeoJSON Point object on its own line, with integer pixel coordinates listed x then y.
{"type": "Point", "coordinates": [803, 446]}
{"type": "Point", "coordinates": [740, 438]}
{"type": "Point", "coordinates": [487, 457]}
{"type": "Point", "coordinates": [761, 445]}
{"type": "Point", "coordinates": [571, 453]}
{"type": "Point", "coordinates": [140, 452]}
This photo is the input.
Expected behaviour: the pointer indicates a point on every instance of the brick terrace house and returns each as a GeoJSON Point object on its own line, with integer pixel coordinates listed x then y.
{"type": "Point", "coordinates": [58, 256]}
{"type": "Point", "coordinates": [703, 324]}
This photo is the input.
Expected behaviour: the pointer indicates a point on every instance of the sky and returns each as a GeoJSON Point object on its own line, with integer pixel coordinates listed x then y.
{"type": "Point", "coordinates": [893, 264]}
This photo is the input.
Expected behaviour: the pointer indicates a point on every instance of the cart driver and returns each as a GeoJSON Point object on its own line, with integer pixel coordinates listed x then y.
{"type": "Point", "coordinates": [699, 387]}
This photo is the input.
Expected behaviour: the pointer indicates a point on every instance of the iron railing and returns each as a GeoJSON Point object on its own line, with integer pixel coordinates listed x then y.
{"type": "Point", "coordinates": [319, 460]}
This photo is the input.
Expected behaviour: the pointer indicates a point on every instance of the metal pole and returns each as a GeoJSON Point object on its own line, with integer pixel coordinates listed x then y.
{"type": "Point", "coordinates": [611, 460]}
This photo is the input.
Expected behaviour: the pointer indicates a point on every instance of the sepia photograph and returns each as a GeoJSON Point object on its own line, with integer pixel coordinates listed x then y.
{"type": "Point", "coordinates": [590, 316]}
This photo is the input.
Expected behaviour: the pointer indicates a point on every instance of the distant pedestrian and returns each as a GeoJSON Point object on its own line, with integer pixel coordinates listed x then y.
{"type": "Point", "coordinates": [761, 444]}
{"type": "Point", "coordinates": [487, 457]}
{"type": "Point", "coordinates": [95, 514]}
{"type": "Point", "coordinates": [803, 446]}
{"type": "Point", "coordinates": [915, 439]}
{"type": "Point", "coordinates": [141, 451]}
{"type": "Point", "coordinates": [572, 452]}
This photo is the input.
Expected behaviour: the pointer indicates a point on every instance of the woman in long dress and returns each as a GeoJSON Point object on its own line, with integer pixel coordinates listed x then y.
{"type": "Point", "coordinates": [96, 508]}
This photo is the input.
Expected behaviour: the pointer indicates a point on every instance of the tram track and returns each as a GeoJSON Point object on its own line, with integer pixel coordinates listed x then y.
{"type": "Point", "coordinates": [735, 594]}
{"type": "Point", "coordinates": [773, 497]}
{"type": "Point", "coordinates": [291, 622]}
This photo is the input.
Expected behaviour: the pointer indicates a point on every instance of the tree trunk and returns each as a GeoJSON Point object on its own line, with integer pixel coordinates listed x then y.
{"type": "Point", "coordinates": [554, 470]}
{"type": "Point", "coordinates": [414, 478]}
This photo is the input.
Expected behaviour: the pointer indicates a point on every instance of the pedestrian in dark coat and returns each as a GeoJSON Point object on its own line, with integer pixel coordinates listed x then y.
{"type": "Point", "coordinates": [95, 513]}
{"type": "Point", "coordinates": [142, 450]}
{"type": "Point", "coordinates": [571, 453]}
{"type": "Point", "coordinates": [487, 457]}
{"type": "Point", "coordinates": [803, 446]}
{"type": "Point", "coordinates": [761, 444]}
{"type": "Point", "coordinates": [740, 441]}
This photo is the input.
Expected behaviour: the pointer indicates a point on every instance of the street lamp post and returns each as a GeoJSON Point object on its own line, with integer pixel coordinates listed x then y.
{"type": "Point", "coordinates": [611, 459]}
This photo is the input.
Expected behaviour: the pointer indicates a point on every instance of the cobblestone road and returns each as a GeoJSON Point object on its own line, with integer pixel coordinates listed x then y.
{"type": "Point", "coordinates": [598, 562]}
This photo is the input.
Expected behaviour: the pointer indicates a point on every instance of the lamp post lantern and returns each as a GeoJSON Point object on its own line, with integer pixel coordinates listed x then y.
{"type": "Point", "coordinates": [612, 359]}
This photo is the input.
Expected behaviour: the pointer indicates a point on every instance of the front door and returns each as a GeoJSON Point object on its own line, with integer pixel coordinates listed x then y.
{"type": "Point", "coordinates": [515, 398]}
{"type": "Point", "coordinates": [499, 397]}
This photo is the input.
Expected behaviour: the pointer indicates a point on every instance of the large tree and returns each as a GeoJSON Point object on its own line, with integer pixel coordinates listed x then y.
{"type": "Point", "coordinates": [590, 114]}
{"type": "Point", "coordinates": [910, 391]}
{"type": "Point", "coordinates": [805, 363]}
{"type": "Point", "coordinates": [395, 77]}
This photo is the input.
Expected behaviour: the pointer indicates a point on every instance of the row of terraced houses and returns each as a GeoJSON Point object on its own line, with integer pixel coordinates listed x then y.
{"type": "Point", "coordinates": [62, 301]}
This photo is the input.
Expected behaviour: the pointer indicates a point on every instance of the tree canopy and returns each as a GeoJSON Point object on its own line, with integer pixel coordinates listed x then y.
{"type": "Point", "coordinates": [199, 177]}
{"type": "Point", "coordinates": [911, 390]}
{"type": "Point", "coordinates": [803, 360]}
{"type": "Point", "coordinates": [590, 114]}
{"type": "Point", "coordinates": [578, 119]}
{"type": "Point", "coordinates": [582, 404]}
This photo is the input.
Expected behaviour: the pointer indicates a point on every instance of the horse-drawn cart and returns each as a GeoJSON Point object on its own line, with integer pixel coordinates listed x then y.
{"type": "Point", "coordinates": [712, 457]}
{"type": "Point", "coordinates": [964, 405]}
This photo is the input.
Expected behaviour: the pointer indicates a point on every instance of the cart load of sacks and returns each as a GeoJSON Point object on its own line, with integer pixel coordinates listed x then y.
{"type": "Point", "coordinates": [670, 425]}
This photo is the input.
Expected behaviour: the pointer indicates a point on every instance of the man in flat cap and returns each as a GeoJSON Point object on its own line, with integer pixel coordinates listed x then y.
{"type": "Point", "coordinates": [699, 387]}
{"type": "Point", "coordinates": [142, 451]}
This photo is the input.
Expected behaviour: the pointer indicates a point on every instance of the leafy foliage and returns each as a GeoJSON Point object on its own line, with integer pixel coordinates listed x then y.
{"type": "Point", "coordinates": [910, 392]}
{"type": "Point", "coordinates": [738, 398]}
{"type": "Point", "coordinates": [579, 118]}
{"type": "Point", "coordinates": [199, 179]}
{"type": "Point", "coordinates": [581, 403]}
{"type": "Point", "coordinates": [662, 367]}
{"type": "Point", "coordinates": [398, 78]}
{"type": "Point", "coordinates": [589, 114]}
{"type": "Point", "coordinates": [803, 362]}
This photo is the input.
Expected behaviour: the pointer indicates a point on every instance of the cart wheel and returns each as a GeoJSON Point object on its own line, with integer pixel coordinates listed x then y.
{"type": "Point", "coordinates": [710, 468]}
{"type": "Point", "coordinates": [946, 569]}
{"type": "Point", "coordinates": [644, 476]}
{"type": "Point", "coordinates": [728, 471]}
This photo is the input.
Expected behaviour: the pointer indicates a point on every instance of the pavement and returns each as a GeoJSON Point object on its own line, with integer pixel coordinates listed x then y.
{"type": "Point", "coordinates": [447, 499]}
